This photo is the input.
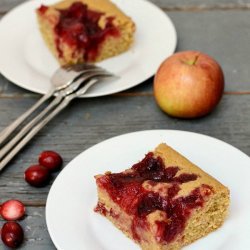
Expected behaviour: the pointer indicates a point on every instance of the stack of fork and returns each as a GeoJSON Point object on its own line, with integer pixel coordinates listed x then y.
{"type": "Point", "coordinates": [68, 83]}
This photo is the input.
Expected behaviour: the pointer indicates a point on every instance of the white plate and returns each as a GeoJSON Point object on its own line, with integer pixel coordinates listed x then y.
{"type": "Point", "coordinates": [26, 61]}
{"type": "Point", "coordinates": [72, 223]}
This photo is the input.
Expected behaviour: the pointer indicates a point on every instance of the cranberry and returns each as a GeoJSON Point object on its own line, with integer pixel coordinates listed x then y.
{"type": "Point", "coordinates": [51, 160]}
{"type": "Point", "coordinates": [12, 234]}
{"type": "Point", "coordinates": [12, 210]}
{"type": "Point", "coordinates": [37, 175]}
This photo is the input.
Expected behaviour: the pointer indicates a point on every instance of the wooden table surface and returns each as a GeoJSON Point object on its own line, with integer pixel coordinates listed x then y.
{"type": "Point", "coordinates": [220, 28]}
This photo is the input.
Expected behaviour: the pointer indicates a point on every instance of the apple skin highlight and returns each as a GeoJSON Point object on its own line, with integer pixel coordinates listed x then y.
{"type": "Point", "coordinates": [188, 84]}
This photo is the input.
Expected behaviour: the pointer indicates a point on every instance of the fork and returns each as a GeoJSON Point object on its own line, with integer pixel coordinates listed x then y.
{"type": "Point", "coordinates": [61, 79]}
{"type": "Point", "coordinates": [27, 134]}
{"type": "Point", "coordinates": [70, 89]}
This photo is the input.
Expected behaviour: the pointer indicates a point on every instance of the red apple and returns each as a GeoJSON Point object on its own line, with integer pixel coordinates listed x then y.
{"type": "Point", "coordinates": [188, 84]}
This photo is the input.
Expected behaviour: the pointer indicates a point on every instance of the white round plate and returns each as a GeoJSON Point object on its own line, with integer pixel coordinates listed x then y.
{"type": "Point", "coordinates": [72, 223]}
{"type": "Point", "coordinates": [26, 61]}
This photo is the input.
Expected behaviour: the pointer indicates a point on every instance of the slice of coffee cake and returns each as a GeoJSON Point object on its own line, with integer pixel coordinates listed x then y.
{"type": "Point", "coordinates": [79, 31]}
{"type": "Point", "coordinates": [163, 202]}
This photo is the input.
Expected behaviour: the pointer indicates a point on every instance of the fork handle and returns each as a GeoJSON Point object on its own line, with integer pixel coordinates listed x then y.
{"type": "Point", "coordinates": [9, 145]}
{"type": "Point", "coordinates": [34, 131]}
{"type": "Point", "coordinates": [13, 126]}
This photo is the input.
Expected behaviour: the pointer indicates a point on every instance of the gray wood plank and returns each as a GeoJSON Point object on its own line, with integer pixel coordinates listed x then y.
{"type": "Point", "coordinates": [196, 5]}
{"type": "Point", "coordinates": [35, 231]}
{"type": "Point", "coordinates": [87, 122]}
{"type": "Point", "coordinates": [6, 5]}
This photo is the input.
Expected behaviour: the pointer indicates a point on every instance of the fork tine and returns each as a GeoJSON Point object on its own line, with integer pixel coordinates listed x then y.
{"type": "Point", "coordinates": [81, 67]}
{"type": "Point", "coordinates": [72, 73]}
{"type": "Point", "coordinates": [91, 81]}
{"type": "Point", "coordinates": [93, 71]}
{"type": "Point", "coordinates": [90, 70]}
{"type": "Point", "coordinates": [85, 77]}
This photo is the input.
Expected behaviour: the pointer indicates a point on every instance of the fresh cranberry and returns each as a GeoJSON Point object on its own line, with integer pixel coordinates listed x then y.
{"type": "Point", "coordinates": [12, 234]}
{"type": "Point", "coordinates": [12, 210]}
{"type": "Point", "coordinates": [37, 175]}
{"type": "Point", "coordinates": [51, 160]}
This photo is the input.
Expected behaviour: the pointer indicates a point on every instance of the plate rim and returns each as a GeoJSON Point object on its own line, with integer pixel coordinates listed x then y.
{"type": "Point", "coordinates": [53, 238]}
{"type": "Point", "coordinates": [14, 80]}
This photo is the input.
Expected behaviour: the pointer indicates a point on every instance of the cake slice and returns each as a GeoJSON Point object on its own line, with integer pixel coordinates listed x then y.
{"type": "Point", "coordinates": [79, 31]}
{"type": "Point", "coordinates": [164, 202]}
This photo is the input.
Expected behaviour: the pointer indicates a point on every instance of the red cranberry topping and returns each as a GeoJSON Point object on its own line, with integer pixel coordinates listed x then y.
{"type": "Point", "coordinates": [100, 208]}
{"type": "Point", "coordinates": [151, 168]}
{"type": "Point", "coordinates": [113, 214]}
{"type": "Point", "coordinates": [150, 202]}
{"type": "Point", "coordinates": [78, 26]}
{"type": "Point", "coordinates": [138, 223]}
{"type": "Point", "coordinates": [37, 175]}
{"type": "Point", "coordinates": [51, 160]}
{"type": "Point", "coordinates": [42, 9]}
{"type": "Point", "coordinates": [126, 189]}
{"type": "Point", "coordinates": [173, 190]}
{"type": "Point", "coordinates": [182, 178]}
{"type": "Point", "coordinates": [12, 210]}
{"type": "Point", "coordinates": [12, 234]}
{"type": "Point", "coordinates": [178, 211]}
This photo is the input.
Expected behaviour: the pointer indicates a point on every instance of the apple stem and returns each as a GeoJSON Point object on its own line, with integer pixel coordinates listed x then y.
{"type": "Point", "coordinates": [193, 62]}
{"type": "Point", "coordinates": [196, 59]}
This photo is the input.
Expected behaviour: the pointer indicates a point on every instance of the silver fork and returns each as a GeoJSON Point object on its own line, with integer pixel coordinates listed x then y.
{"type": "Point", "coordinates": [61, 79]}
{"type": "Point", "coordinates": [63, 93]}
{"type": "Point", "coordinates": [36, 126]}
